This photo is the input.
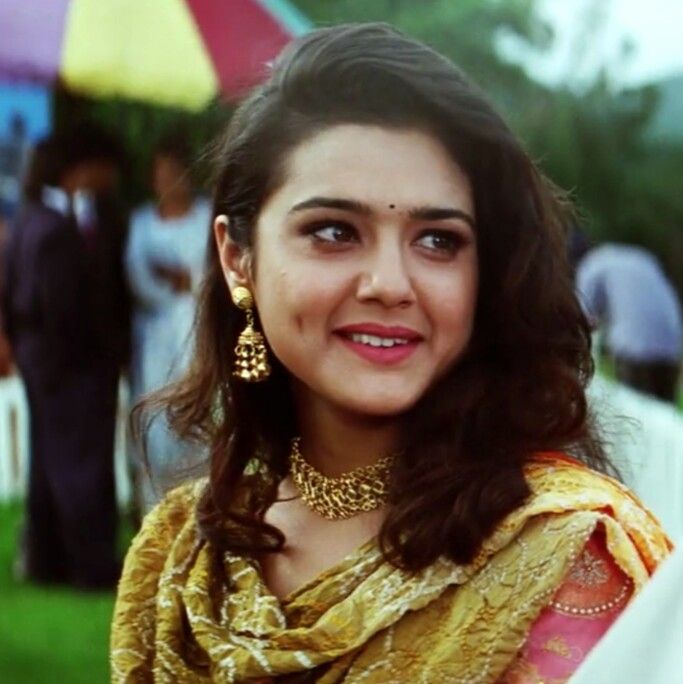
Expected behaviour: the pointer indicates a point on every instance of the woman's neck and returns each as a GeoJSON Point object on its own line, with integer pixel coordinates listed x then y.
{"type": "Point", "coordinates": [335, 441]}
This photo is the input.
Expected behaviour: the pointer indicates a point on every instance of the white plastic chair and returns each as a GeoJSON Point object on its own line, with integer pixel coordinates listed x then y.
{"type": "Point", "coordinates": [15, 442]}
{"type": "Point", "coordinates": [14, 438]}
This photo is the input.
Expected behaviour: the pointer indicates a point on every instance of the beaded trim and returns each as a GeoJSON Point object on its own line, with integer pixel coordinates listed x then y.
{"type": "Point", "coordinates": [566, 609]}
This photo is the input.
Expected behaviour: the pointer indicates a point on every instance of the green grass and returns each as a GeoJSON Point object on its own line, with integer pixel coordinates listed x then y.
{"type": "Point", "coordinates": [48, 634]}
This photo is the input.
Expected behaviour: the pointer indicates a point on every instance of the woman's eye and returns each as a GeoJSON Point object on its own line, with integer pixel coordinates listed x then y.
{"type": "Point", "coordinates": [441, 241]}
{"type": "Point", "coordinates": [332, 232]}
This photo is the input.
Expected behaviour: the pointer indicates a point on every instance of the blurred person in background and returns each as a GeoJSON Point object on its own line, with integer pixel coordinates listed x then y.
{"type": "Point", "coordinates": [164, 264]}
{"type": "Point", "coordinates": [5, 351]}
{"type": "Point", "coordinates": [14, 153]}
{"type": "Point", "coordinates": [578, 244]}
{"type": "Point", "coordinates": [5, 354]}
{"type": "Point", "coordinates": [15, 149]}
{"type": "Point", "coordinates": [627, 294]}
{"type": "Point", "coordinates": [64, 308]}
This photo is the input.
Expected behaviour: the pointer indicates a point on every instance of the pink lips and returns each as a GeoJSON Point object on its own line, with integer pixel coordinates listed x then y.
{"type": "Point", "coordinates": [380, 355]}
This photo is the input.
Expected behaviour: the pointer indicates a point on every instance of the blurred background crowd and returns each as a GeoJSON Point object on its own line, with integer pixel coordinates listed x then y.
{"type": "Point", "coordinates": [107, 117]}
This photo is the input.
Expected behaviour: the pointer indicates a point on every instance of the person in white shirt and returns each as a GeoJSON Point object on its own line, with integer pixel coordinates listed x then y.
{"type": "Point", "coordinates": [164, 263]}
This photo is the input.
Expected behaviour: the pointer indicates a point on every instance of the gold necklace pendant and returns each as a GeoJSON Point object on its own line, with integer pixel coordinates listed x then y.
{"type": "Point", "coordinates": [337, 498]}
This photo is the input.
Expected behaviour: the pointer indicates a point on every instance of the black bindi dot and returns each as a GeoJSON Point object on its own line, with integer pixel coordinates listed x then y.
{"type": "Point", "coordinates": [392, 206]}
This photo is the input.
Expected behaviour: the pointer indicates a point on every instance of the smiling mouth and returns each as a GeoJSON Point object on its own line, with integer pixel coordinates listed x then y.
{"type": "Point", "coordinates": [385, 350]}
{"type": "Point", "coordinates": [376, 340]}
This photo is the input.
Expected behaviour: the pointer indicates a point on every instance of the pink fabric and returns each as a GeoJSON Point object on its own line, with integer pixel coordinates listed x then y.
{"type": "Point", "coordinates": [559, 641]}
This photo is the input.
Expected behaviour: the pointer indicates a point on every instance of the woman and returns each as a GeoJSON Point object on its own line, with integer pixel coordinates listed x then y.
{"type": "Point", "coordinates": [386, 498]}
{"type": "Point", "coordinates": [164, 262]}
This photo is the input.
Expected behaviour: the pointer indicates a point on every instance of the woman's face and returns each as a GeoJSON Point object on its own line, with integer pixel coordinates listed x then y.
{"type": "Point", "coordinates": [365, 267]}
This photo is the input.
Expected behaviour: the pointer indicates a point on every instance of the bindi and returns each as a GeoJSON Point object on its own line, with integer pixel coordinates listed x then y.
{"type": "Point", "coordinates": [392, 206]}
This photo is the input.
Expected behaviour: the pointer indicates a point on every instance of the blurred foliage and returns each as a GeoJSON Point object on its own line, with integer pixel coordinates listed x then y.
{"type": "Point", "coordinates": [625, 181]}
{"type": "Point", "coordinates": [465, 31]}
{"type": "Point", "coordinates": [595, 141]}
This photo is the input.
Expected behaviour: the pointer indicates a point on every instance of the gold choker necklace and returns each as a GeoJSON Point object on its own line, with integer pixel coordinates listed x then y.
{"type": "Point", "coordinates": [337, 498]}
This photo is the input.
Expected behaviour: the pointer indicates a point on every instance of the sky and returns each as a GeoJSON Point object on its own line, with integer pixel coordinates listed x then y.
{"type": "Point", "coordinates": [590, 33]}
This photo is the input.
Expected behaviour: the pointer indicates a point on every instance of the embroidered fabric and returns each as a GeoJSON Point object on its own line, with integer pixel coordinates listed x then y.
{"type": "Point", "coordinates": [593, 594]}
{"type": "Point", "coordinates": [186, 614]}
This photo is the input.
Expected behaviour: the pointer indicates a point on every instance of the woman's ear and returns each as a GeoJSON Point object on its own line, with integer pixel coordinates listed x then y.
{"type": "Point", "coordinates": [235, 260]}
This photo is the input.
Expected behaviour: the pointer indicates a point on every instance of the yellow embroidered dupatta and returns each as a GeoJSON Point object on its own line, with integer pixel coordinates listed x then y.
{"type": "Point", "coordinates": [185, 614]}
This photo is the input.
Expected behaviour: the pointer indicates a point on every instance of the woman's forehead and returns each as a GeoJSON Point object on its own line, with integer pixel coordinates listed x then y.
{"type": "Point", "coordinates": [379, 167]}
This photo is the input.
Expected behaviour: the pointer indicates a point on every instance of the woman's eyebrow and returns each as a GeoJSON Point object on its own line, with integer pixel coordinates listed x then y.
{"type": "Point", "coordinates": [426, 213]}
{"type": "Point", "coordinates": [333, 203]}
{"type": "Point", "coordinates": [441, 214]}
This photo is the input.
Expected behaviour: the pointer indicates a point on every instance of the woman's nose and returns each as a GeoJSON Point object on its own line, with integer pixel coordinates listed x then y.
{"type": "Point", "coordinates": [385, 278]}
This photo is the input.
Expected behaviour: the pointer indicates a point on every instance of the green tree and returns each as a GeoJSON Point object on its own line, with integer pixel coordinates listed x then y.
{"type": "Point", "coordinates": [466, 31]}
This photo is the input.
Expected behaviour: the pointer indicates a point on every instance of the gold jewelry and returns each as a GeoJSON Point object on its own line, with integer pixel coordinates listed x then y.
{"type": "Point", "coordinates": [251, 354]}
{"type": "Point", "coordinates": [337, 498]}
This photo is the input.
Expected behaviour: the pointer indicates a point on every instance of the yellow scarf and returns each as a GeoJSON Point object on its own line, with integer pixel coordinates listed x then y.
{"type": "Point", "coordinates": [186, 614]}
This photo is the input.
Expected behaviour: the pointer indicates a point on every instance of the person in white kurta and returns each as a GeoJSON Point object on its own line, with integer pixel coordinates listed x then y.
{"type": "Point", "coordinates": [164, 263]}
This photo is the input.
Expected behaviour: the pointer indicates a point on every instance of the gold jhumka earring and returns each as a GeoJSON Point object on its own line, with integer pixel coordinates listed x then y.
{"type": "Point", "coordinates": [251, 354]}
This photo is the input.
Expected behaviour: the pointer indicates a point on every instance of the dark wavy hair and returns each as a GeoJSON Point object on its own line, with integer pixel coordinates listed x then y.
{"type": "Point", "coordinates": [518, 390]}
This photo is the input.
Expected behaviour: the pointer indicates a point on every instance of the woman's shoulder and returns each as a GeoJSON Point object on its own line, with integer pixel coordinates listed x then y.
{"type": "Point", "coordinates": [559, 473]}
{"type": "Point", "coordinates": [166, 539]}
{"type": "Point", "coordinates": [560, 480]}
{"type": "Point", "coordinates": [562, 485]}
{"type": "Point", "coordinates": [176, 507]}
{"type": "Point", "coordinates": [162, 526]}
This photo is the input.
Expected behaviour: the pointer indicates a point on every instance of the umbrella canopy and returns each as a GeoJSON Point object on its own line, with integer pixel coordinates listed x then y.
{"type": "Point", "coordinates": [172, 52]}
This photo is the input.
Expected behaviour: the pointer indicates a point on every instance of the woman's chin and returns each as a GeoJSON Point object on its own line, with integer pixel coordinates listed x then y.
{"type": "Point", "coordinates": [378, 407]}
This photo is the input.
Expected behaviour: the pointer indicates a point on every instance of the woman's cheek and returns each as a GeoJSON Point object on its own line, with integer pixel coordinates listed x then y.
{"type": "Point", "coordinates": [292, 309]}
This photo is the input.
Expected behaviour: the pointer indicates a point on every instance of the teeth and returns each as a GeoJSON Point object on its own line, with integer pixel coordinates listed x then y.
{"type": "Point", "coordinates": [375, 341]}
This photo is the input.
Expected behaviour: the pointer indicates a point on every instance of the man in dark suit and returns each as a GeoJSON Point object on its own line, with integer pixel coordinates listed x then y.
{"type": "Point", "coordinates": [5, 351]}
{"type": "Point", "coordinates": [65, 311]}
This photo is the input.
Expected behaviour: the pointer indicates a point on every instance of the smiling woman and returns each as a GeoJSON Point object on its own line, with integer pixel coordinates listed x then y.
{"type": "Point", "coordinates": [395, 287]}
{"type": "Point", "coordinates": [389, 404]}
